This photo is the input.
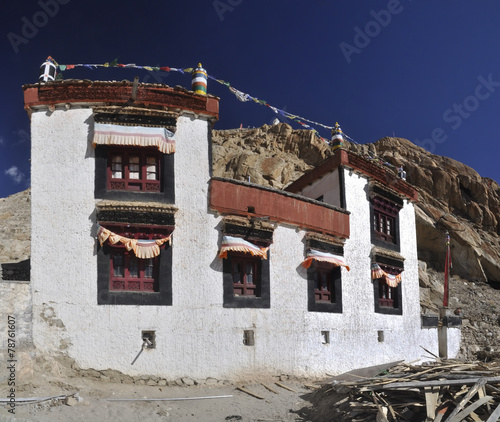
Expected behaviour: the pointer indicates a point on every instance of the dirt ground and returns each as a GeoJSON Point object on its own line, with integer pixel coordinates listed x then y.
{"type": "Point", "coordinates": [94, 404]}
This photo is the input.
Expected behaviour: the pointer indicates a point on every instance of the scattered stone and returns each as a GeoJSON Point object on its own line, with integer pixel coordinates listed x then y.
{"type": "Point", "coordinates": [70, 401]}
{"type": "Point", "coordinates": [187, 381]}
{"type": "Point", "coordinates": [211, 381]}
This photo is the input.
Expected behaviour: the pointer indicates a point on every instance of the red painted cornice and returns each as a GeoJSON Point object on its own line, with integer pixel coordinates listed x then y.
{"type": "Point", "coordinates": [118, 93]}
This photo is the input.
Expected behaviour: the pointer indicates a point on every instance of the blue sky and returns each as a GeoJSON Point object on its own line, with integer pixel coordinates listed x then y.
{"type": "Point", "coordinates": [423, 70]}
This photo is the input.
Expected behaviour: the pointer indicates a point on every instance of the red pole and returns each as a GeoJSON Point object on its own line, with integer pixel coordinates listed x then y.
{"type": "Point", "coordinates": [447, 266]}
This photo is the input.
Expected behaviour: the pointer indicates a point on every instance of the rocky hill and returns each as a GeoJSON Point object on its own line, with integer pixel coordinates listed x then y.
{"type": "Point", "coordinates": [15, 227]}
{"type": "Point", "coordinates": [452, 196]}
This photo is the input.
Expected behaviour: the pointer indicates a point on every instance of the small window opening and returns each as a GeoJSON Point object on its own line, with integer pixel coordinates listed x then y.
{"type": "Point", "coordinates": [380, 334]}
{"type": "Point", "coordinates": [249, 337]}
{"type": "Point", "coordinates": [251, 210]}
{"type": "Point", "coordinates": [148, 339]}
{"type": "Point", "coordinates": [325, 337]}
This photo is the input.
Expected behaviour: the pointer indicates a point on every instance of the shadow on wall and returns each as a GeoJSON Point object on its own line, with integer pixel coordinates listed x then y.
{"type": "Point", "coordinates": [16, 271]}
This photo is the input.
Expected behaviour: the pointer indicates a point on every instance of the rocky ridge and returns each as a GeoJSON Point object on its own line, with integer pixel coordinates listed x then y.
{"type": "Point", "coordinates": [15, 227]}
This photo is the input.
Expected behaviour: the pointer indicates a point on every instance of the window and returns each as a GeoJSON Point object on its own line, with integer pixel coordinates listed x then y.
{"type": "Point", "coordinates": [135, 169]}
{"type": "Point", "coordinates": [246, 281]}
{"type": "Point", "coordinates": [131, 273]}
{"type": "Point", "coordinates": [125, 279]}
{"type": "Point", "coordinates": [245, 276]}
{"type": "Point", "coordinates": [323, 291]}
{"type": "Point", "coordinates": [324, 287]}
{"type": "Point", "coordinates": [385, 221]}
{"type": "Point", "coordinates": [134, 173]}
{"type": "Point", "coordinates": [387, 295]}
{"type": "Point", "coordinates": [388, 299]}
{"type": "Point", "coordinates": [384, 226]}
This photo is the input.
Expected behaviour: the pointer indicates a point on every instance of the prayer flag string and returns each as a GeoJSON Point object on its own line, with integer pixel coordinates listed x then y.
{"type": "Point", "coordinates": [240, 95]}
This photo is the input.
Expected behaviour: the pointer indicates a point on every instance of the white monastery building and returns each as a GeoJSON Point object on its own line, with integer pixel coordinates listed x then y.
{"type": "Point", "coordinates": [136, 247]}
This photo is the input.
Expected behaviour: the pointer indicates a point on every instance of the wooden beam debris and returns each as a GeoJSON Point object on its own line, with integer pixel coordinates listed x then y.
{"type": "Point", "coordinates": [442, 391]}
{"type": "Point", "coordinates": [285, 387]}
{"type": "Point", "coordinates": [250, 393]}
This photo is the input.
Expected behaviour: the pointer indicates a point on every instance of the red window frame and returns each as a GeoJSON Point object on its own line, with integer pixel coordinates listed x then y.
{"type": "Point", "coordinates": [136, 274]}
{"type": "Point", "coordinates": [385, 214]}
{"type": "Point", "coordinates": [387, 295]}
{"type": "Point", "coordinates": [324, 290]}
{"type": "Point", "coordinates": [384, 226]}
{"type": "Point", "coordinates": [135, 168]}
{"type": "Point", "coordinates": [245, 273]}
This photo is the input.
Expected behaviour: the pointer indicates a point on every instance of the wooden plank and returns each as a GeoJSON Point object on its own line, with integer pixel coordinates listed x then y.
{"type": "Point", "coordinates": [382, 414]}
{"type": "Point", "coordinates": [495, 415]}
{"type": "Point", "coordinates": [482, 393]}
{"type": "Point", "coordinates": [250, 393]}
{"type": "Point", "coordinates": [473, 390]}
{"type": "Point", "coordinates": [393, 414]}
{"type": "Point", "coordinates": [469, 409]}
{"type": "Point", "coordinates": [285, 387]}
{"type": "Point", "coordinates": [422, 384]}
{"type": "Point", "coordinates": [431, 397]}
{"type": "Point", "coordinates": [269, 388]}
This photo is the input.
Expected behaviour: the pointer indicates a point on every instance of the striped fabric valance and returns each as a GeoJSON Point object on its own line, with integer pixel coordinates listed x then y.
{"type": "Point", "coordinates": [159, 137]}
{"type": "Point", "coordinates": [236, 244]}
{"type": "Point", "coordinates": [391, 279]}
{"type": "Point", "coordinates": [313, 255]}
{"type": "Point", "coordinates": [142, 248]}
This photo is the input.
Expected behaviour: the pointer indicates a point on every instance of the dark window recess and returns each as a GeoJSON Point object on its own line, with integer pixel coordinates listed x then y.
{"type": "Point", "coordinates": [384, 226]}
{"type": "Point", "coordinates": [131, 273]}
{"type": "Point", "coordinates": [124, 279]}
{"type": "Point", "coordinates": [136, 169]}
{"type": "Point", "coordinates": [387, 296]}
{"type": "Point", "coordinates": [134, 173]}
{"type": "Point", "coordinates": [387, 299]}
{"type": "Point", "coordinates": [246, 281]}
{"type": "Point", "coordinates": [324, 288]}
{"type": "Point", "coordinates": [323, 291]}
{"type": "Point", "coordinates": [385, 223]}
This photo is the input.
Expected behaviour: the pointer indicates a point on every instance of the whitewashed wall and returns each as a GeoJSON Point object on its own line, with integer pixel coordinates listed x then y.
{"type": "Point", "coordinates": [196, 336]}
{"type": "Point", "coordinates": [327, 186]}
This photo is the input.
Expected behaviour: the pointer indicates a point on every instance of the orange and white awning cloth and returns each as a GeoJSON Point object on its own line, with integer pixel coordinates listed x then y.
{"type": "Point", "coordinates": [142, 248]}
{"type": "Point", "coordinates": [391, 279]}
{"type": "Point", "coordinates": [313, 255]}
{"type": "Point", "coordinates": [139, 136]}
{"type": "Point", "coordinates": [236, 244]}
